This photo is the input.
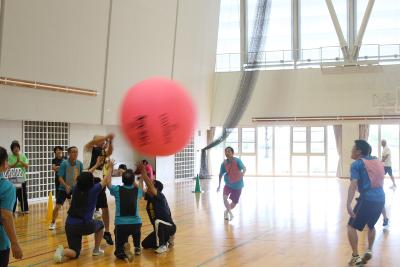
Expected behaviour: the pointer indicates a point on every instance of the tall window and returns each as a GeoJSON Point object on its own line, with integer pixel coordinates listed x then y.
{"type": "Point", "coordinates": [228, 47]}
{"type": "Point", "coordinates": [317, 29]}
{"type": "Point", "coordinates": [281, 150]}
{"type": "Point", "coordinates": [308, 150]}
{"type": "Point", "coordinates": [279, 28]}
{"type": "Point", "coordinates": [383, 28]}
{"type": "Point", "coordinates": [389, 132]}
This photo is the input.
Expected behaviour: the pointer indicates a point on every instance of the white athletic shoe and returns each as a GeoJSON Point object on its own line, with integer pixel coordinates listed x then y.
{"type": "Point", "coordinates": [231, 216]}
{"type": "Point", "coordinates": [98, 252]}
{"type": "Point", "coordinates": [161, 249]}
{"type": "Point", "coordinates": [52, 226]}
{"type": "Point", "coordinates": [355, 261]}
{"type": "Point", "coordinates": [367, 256]}
{"type": "Point", "coordinates": [59, 254]}
{"type": "Point", "coordinates": [226, 216]}
{"type": "Point", "coordinates": [128, 252]}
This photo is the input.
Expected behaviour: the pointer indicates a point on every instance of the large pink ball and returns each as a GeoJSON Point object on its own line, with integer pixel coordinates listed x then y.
{"type": "Point", "coordinates": [158, 117]}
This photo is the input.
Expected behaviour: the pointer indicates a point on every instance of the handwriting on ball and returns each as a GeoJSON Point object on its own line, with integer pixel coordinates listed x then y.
{"type": "Point", "coordinates": [140, 127]}
{"type": "Point", "coordinates": [167, 128]}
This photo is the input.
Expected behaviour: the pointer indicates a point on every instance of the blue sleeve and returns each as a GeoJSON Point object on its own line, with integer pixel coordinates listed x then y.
{"type": "Point", "coordinates": [240, 164]}
{"type": "Point", "coordinates": [7, 196]}
{"type": "Point", "coordinates": [222, 170]}
{"type": "Point", "coordinates": [355, 173]}
{"type": "Point", "coordinates": [113, 190]}
{"type": "Point", "coordinates": [62, 170]}
{"type": "Point", "coordinates": [140, 193]}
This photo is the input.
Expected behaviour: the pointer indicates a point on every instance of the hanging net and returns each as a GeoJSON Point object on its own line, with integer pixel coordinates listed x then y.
{"type": "Point", "coordinates": [247, 81]}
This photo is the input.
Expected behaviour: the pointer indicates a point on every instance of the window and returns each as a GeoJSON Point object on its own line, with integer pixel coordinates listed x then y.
{"type": "Point", "coordinates": [383, 28]}
{"type": "Point", "coordinates": [184, 162]}
{"type": "Point", "coordinates": [228, 47]}
{"type": "Point", "coordinates": [317, 29]}
{"type": "Point", "coordinates": [40, 138]}
{"type": "Point", "coordinates": [281, 150]}
{"type": "Point", "coordinates": [319, 42]}
{"type": "Point", "coordinates": [389, 132]}
{"type": "Point", "coordinates": [265, 150]}
{"type": "Point", "coordinates": [308, 150]}
{"type": "Point", "coordinates": [279, 36]}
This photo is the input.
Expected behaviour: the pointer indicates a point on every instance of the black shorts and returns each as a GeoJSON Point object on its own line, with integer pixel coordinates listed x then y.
{"type": "Point", "coordinates": [367, 213]}
{"type": "Point", "coordinates": [102, 198]}
{"type": "Point", "coordinates": [388, 170]}
{"type": "Point", "coordinates": [4, 257]}
{"type": "Point", "coordinates": [62, 196]}
{"type": "Point", "coordinates": [75, 232]}
{"type": "Point", "coordinates": [57, 183]}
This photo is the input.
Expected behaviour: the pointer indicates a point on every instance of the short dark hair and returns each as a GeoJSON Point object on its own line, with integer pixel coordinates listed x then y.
{"type": "Point", "coordinates": [58, 148]}
{"type": "Point", "coordinates": [230, 148]}
{"type": "Point", "coordinates": [15, 144]}
{"type": "Point", "coordinates": [122, 166]}
{"type": "Point", "coordinates": [85, 181]}
{"type": "Point", "coordinates": [158, 185]}
{"type": "Point", "coordinates": [128, 177]}
{"type": "Point", "coordinates": [145, 162]}
{"type": "Point", "coordinates": [3, 155]}
{"type": "Point", "coordinates": [70, 148]}
{"type": "Point", "coordinates": [363, 146]}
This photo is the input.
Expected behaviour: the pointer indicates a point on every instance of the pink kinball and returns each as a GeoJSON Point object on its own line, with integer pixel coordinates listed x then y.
{"type": "Point", "coordinates": [158, 117]}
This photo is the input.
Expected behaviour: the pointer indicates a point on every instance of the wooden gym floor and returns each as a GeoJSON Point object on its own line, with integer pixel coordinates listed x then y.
{"type": "Point", "coordinates": [279, 222]}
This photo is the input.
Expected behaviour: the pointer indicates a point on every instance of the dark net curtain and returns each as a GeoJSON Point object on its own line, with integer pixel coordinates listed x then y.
{"type": "Point", "coordinates": [247, 82]}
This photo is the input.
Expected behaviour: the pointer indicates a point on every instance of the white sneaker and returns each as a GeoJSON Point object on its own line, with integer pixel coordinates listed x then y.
{"type": "Point", "coordinates": [367, 256]}
{"type": "Point", "coordinates": [226, 216]}
{"type": "Point", "coordinates": [231, 216]}
{"type": "Point", "coordinates": [98, 252]}
{"type": "Point", "coordinates": [52, 226]}
{"type": "Point", "coordinates": [161, 249]}
{"type": "Point", "coordinates": [355, 261]}
{"type": "Point", "coordinates": [128, 252]}
{"type": "Point", "coordinates": [59, 254]}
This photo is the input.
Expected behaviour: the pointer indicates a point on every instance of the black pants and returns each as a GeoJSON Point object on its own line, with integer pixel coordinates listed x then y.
{"type": "Point", "coordinates": [22, 197]}
{"type": "Point", "coordinates": [122, 233]}
{"type": "Point", "coordinates": [4, 257]}
{"type": "Point", "coordinates": [75, 232]}
{"type": "Point", "coordinates": [160, 236]}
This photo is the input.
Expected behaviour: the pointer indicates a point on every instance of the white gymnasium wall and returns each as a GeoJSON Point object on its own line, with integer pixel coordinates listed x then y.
{"type": "Point", "coordinates": [9, 131]}
{"type": "Point", "coordinates": [141, 46]}
{"type": "Point", "coordinates": [196, 36]}
{"type": "Point", "coordinates": [60, 42]}
{"type": "Point", "coordinates": [165, 170]}
{"type": "Point", "coordinates": [307, 92]}
{"type": "Point", "coordinates": [65, 43]}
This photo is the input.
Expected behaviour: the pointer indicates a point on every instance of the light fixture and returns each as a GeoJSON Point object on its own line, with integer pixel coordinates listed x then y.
{"type": "Point", "coordinates": [47, 86]}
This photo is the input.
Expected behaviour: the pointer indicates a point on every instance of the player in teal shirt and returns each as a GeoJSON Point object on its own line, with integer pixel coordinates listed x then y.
{"type": "Point", "coordinates": [127, 217]}
{"type": "Point", "coordinates": [8, 238]}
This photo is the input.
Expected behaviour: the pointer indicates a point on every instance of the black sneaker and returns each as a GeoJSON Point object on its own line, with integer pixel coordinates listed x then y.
{"type": "Point", "coordinates": [385, 222]}
{"type": "Point", "coordinates": [138, 251]}
{"type": "Point", "coordinates": [108, 238]}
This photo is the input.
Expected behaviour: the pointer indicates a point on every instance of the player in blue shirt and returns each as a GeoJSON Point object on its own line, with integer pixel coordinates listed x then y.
{"type": "Point", "coordinates": [127, 218]}
{"type": "Point", "coordinates": [80, 220]}
{"type": "Point", "coordinates": [8, 237]}
{"type": "Point", "coordinates": [366, 175]}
